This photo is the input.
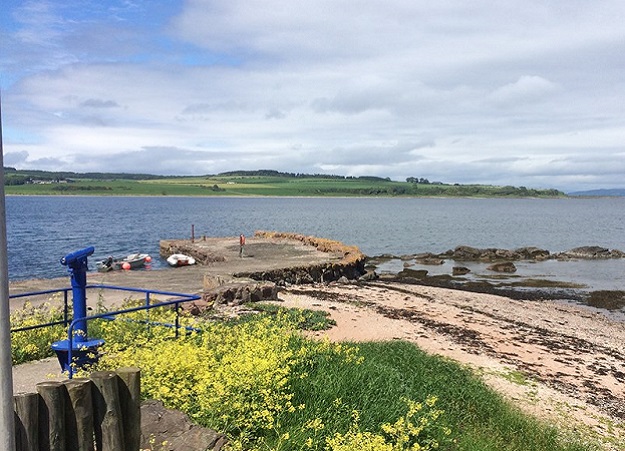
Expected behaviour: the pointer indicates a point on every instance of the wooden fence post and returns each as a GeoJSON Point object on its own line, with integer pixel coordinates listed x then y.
{"type": "Point", "coordinates": [109, 432]}
{"type": "Point", "coordinates": [26, 421]}
{"type": "Point", "coordinates": [79, 415]}
{"type": "Point", "coordinates": [52, 416]}
{"type": "Point", "coordinates": [130, 398]}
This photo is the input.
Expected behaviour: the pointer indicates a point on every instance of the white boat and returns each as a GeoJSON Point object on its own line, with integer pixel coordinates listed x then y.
{"type": "Point", "coordinates": [180, 260]}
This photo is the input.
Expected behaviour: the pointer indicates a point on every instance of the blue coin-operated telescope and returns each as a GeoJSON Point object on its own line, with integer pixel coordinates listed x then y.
{"type": "Point", "coordinates": [84, 350]}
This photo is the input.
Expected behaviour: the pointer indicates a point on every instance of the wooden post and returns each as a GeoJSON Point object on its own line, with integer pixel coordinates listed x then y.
{"type": "Point", "coordinates": [192, 233]}
{"type": "Point", "coordinates": [79, 415]}
{"type": "Point", "coordinates": [130, 398]}
{"type": "Point", "coordinates": [26, 421]}
{"type": "Point", "coordinates": [51, 416]}
{"type": "Point", "coordinates": [109, 432]}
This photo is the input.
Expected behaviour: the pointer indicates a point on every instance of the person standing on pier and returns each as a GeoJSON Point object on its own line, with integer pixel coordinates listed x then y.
{"type": "Point", "coordinates": [241, 245]}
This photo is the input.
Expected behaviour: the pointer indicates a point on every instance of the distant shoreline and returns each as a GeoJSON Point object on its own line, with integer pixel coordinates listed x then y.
{"type": "Point", "coordinates": [256, 196]}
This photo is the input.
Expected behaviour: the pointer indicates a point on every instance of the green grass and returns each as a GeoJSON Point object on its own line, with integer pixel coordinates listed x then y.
{"type": "Point", "coordinates": [479, 418]}
{"type": "Point", "coordinates": [304, 319]}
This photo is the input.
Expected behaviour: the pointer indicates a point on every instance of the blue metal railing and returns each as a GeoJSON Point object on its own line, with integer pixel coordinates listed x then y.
{"type": "Point", "coordinates": [39, 293]}
{"type": "Point", "coordinates": [180, 299]}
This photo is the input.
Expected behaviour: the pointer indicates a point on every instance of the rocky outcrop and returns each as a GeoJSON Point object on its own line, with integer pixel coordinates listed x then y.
{"type": "Point", "coordinates": [428, 259]}
{"type": "Point", "coordinates": [232, 292]}
{"type": "Point", "coordinates": [172, 430]}
{"type": "Point", "coordinates": [531, 253]}
{"type": "Point", "coordinates": [468, 253]}
{"type": "Point", "coordinates": [590, 253]}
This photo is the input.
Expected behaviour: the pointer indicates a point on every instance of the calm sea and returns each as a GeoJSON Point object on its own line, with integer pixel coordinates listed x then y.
{"type": "Point", "coordinates": [42, 229]}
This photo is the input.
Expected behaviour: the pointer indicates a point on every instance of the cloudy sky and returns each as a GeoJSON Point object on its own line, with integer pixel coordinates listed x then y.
{"type": "Point", "coordinates": [517, 92]}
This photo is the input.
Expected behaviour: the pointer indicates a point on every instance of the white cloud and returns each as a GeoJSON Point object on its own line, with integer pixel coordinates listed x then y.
{"type": "Point", "coordinates": [451, 91]}
{"type": "Point", "coordinates": [527, 89]}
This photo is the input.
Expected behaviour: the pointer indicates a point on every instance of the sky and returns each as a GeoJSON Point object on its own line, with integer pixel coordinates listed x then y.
{"type": "Point", "coordinates": [516, 92]}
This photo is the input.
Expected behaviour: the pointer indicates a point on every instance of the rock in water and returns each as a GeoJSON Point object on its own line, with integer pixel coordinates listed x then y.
{"type": "Point", "coordinates": [502, 267]}
{"type": "Point", "coordinates": [460, 270]}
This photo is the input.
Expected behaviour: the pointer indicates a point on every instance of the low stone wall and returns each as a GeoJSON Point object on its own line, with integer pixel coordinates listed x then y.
{"type": "Point", "coordinates": [322, 273]}
{"type": "Point", "coordinates": [351, 262]}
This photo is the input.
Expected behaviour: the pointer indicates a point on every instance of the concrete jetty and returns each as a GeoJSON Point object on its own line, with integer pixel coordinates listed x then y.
{"type": "Point", "coordinates": [222, 276]}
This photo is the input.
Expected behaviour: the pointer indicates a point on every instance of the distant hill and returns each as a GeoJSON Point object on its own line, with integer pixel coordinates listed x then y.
{"type": "Point", "coordinates": [616, 192]}
{"type": "Point", "coordinates": [265, 182]}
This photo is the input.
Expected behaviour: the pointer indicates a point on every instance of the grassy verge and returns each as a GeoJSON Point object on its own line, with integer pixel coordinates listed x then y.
{"type": "Point", "coordinates": [265, 385]}
{"type": "Point", "coordinates": [478, 417]}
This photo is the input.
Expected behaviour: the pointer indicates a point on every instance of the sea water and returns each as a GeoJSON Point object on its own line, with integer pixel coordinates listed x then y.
{"type": "Point", "coordinates": [42, 229]}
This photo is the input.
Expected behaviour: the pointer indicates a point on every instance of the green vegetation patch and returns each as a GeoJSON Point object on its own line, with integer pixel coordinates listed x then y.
{"type": "Point", "coordinates": [268, 387]}
{"type": "Point", "coordinates": [247, 183]}
{"type": "Point", "coordinates": [29, 345]}
{"type": "Point", "coordinates": [303, 319]}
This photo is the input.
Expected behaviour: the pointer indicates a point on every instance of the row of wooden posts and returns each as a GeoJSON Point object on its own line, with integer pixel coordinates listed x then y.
{"type": "Point", "coordinates": [102, 412]}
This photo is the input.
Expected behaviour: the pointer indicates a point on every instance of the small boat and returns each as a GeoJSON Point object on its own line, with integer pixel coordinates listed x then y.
{"type": "Point", "coordinates": [132, 261]}
{"type": "Point", "coordinates": [180, 260]}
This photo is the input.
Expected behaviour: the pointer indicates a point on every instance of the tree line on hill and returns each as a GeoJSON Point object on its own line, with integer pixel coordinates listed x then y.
{"type": "Point", "coordinates": [295, 175]}
{"type": "Point", "coordinates": [13, 176]}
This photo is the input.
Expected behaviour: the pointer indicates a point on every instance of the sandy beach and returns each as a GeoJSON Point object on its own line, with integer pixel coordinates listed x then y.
{"type": "Point", "coordinates": [560, 362]}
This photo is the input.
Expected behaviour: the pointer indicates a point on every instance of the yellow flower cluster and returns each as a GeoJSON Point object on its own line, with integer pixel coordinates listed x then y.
{"type": "Point", "coordinates": [35, 344]}
{"type": "Point", "coordinates": [403, 435]}
{"type": "Point", "coordinates": [231, 377]}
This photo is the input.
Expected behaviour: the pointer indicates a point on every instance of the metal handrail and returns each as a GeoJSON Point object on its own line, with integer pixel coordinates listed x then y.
{"type": "Point", "coordinates": [39, 293]}
{"type": "Point", "coordinates": [106, 315]}
{"type": "Point", "coordinates": [188, 297]}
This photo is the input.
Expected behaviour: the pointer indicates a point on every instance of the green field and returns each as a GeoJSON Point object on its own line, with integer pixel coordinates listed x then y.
{"type": "Point", "coordinates": [250, 183]}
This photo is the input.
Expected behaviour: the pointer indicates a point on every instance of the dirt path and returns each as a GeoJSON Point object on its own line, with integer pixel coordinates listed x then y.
{"type": "Point", "coordinates": [556, 361]}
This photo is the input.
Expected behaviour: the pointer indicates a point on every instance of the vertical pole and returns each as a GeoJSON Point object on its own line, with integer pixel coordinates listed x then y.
{"type": "Point", "coordinates": [7, 423]}
{"type": "Point", "coordinates": [109, 430]}
{"type": "Point", "coordinates": [65, 309]}
{"type": "Point", "coordinates": [79, 291]}
{"type": "Point", "coordinates": [76, 263]}
{"type": "Point", "coordinates": [192, 233]}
